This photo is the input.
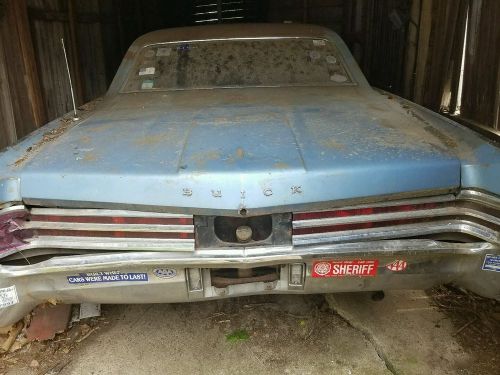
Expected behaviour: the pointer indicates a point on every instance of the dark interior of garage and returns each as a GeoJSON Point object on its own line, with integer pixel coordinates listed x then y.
{"type": "Point", "coordinates": [444, 55]}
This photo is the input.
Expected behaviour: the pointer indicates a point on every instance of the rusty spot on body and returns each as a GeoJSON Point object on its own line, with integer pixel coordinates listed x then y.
{"type": "Point", "coordinates": [240, 153]}
{"type": "Point", "coordinates": [443, 138]}
{"type": "Point", "coordinates": [55, 133]}
{"type": "Point", "coordinates": [332, 143]}
{"type": "Point", "coordinates": [201, 158]}
{"type": "Point", "coordinates": [280, 165]}
{"type": "Point", "coordinates": [89, 157]}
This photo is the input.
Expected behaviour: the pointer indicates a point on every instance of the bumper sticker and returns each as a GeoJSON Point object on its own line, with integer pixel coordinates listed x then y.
{"type": "Point", "coordinates": [8, 296]}
{"type": "Point", "coordinates": [107, 277]}
{"type": "Point", "coordinates": [491, 263]}
{"type": "Point", "coordinates": [342, 268]}
{"type": "Point", "coordinates": [397, 265]}
{"type": "Point", "coordinates": [147, 71]}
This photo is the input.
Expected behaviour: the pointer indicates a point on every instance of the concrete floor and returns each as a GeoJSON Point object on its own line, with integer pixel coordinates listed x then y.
{"type": "Point", "coordinates": [333, 334]}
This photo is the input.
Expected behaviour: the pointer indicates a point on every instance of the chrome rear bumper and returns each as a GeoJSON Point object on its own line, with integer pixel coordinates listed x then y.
{"type": "Point", "coordinates": [164, 277]}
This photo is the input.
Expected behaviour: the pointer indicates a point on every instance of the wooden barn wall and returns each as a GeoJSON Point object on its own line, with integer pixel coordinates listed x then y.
{"type": "Point", "coordinates": [21, 105]}
{"type": "Point", "coordinates": [410, 47]}
{"type": "Point", "coordinates": [481, 86]}
{"type": "Point", "coordinates": [329, 13]}
{"type": "Point", "coordinates": [83, 25]}
{"type": "Point", "coordinates": [442, 28]}
{"type": "Point", "coordinates": [386, 24]}
{"type": "Point", "coordinates": [97, 34]}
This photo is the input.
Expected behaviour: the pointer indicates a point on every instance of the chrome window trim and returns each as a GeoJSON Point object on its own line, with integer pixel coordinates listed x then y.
{"type": "Point", "coordinates": [352, 83]}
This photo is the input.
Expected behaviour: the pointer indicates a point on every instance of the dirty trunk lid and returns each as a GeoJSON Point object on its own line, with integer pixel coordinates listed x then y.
{"type": "Point", "coordinates": [253, 148]}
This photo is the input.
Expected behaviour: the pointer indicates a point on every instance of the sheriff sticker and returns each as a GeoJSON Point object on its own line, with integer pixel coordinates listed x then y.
{"type": "Point", "coordinates": [342, 268]}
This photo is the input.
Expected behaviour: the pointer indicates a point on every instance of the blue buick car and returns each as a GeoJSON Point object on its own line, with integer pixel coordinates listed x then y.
{"type": "Point", "coordinates": [234, 160]}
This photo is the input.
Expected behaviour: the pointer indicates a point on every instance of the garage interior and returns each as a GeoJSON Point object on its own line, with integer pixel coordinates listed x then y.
{"type": "Point", "coordinates": [442, 54]}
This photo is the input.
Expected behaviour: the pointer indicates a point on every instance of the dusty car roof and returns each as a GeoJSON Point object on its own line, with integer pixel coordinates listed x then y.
{"type": "Point", "coordinates": [249, 30]}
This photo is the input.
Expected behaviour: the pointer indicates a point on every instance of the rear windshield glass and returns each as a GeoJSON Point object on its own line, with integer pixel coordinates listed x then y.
{"type": "Point", "coordinates": [236, 63]}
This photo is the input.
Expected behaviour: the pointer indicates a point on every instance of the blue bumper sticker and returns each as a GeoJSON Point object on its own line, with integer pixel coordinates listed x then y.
{"type": "Point", "coordinates": [491, 263]}
{"type": "Point", "coordinates": [107, 277]}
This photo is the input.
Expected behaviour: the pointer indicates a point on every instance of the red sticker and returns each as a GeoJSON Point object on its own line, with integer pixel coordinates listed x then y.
{"type": "Point", "coordinates": [397, 265]}
{"type": "Point", "coordinates": [341, 268]}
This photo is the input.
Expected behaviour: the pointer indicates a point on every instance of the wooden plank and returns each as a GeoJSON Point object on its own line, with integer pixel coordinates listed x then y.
{"type": "Point", "coordinates": [482, 59]}
{"type": "Point", "coordinates": [456, 56]}
{"type": "Point", "coordinates": [496, 124]}
{"type": "Point", "coordinates": [411, 50]}
{"type": "Point", "coordinates": [32, 82]}
{"type": "Point", "coordinates": [423, 49]}
{"type": "Point", "coordinates": [61, 16]}
{"type": "Point", "coordinates": [75, 55]}
{"type": "Point", "coordinates": [8, 134]}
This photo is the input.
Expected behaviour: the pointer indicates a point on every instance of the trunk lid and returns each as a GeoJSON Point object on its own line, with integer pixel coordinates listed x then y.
{"type": "Point", "coordinates": [253, 148]}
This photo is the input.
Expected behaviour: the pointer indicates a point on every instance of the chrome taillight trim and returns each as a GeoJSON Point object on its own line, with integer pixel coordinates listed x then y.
{"type": "Point", "coordinates": [107, 243]}
{"type": "Point", "coordinates": [107, 227]}
{"type": "Point", "coordinates": [105, 212]}
{"type": "Point", "coordinates": [400, 231]}
{"type": "Point", "coordinates": [479, 197]}
{"type": "Point", "coordinates": [59, 228]}
{"type": "Point", "coordinates": [470, 212]}
{"type": "Point", "coordinates": [417, 214]}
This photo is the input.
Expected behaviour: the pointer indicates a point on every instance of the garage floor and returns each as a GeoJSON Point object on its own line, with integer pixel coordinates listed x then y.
{"type": "Point", "coordinates": [404, 333]}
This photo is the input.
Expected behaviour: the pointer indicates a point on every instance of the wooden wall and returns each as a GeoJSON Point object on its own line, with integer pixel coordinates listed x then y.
{"type": "Point", "coordinates": [442, 28]}
{"type": "Point", "coordinates": [329, 13]}
{"type": "Point", "coordinates": [481, 86]}
{"type": "Point", "coordinates": [83, 26]}
{"type": "Point", "coordinates": [21, 105]}
{"type": "Point", "coordinates": [410, 47]}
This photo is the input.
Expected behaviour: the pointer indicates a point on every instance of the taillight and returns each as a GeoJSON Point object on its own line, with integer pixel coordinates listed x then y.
{"type": "Point", "coordinates": [362, 218]}
{"type": "Point", "coordinates": [11, 233]}
{"type": "Point", "coordinates": [363, 211]}
{"type": "Point", "coordinates": [110, 224]}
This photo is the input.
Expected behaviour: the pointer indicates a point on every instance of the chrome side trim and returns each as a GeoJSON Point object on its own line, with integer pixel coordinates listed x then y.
{"type": "Point", "coordinates": [12, 208]}
{"type": "Point", "coordinates": [480, 197]}
{"type": "Point", "coordinates": [401, 231]}
{"type": "Point", "coordinates": [105, 212]}
{"type": "Point", "coordinates": [420, 214]}
{"type": "Point", "coordinates": [108, 243]}
{"type": "Point", "coordinates": [154, 228]}
{"type": "Point", "coordinates": [245, 258]}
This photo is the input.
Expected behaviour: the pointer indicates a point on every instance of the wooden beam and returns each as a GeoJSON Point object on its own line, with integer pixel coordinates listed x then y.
{"type": "Point", "coordinates": [496, 121]}
{"type": "Point", "coordinates": [62, 16]}
{"type": "Point", "coordinates": [8, 133]}
{"type": "Point", "coordinates": [75, 54]}
{"type": "Point", "coordinates": [411, 50]}
{"type": "Point", "coordinates": [305, 10]}
{"type": "Point", "coordinates": [423, 48]}
{"type": "Point", "coordinates": [31, 78]}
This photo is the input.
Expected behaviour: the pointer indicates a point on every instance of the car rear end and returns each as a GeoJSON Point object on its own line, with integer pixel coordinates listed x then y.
{"type": "Point", "coordinates": [68, 255]}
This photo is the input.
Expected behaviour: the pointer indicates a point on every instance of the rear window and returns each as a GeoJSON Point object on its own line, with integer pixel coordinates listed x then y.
{"type": "Point", "coordinates": [237, 63]}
